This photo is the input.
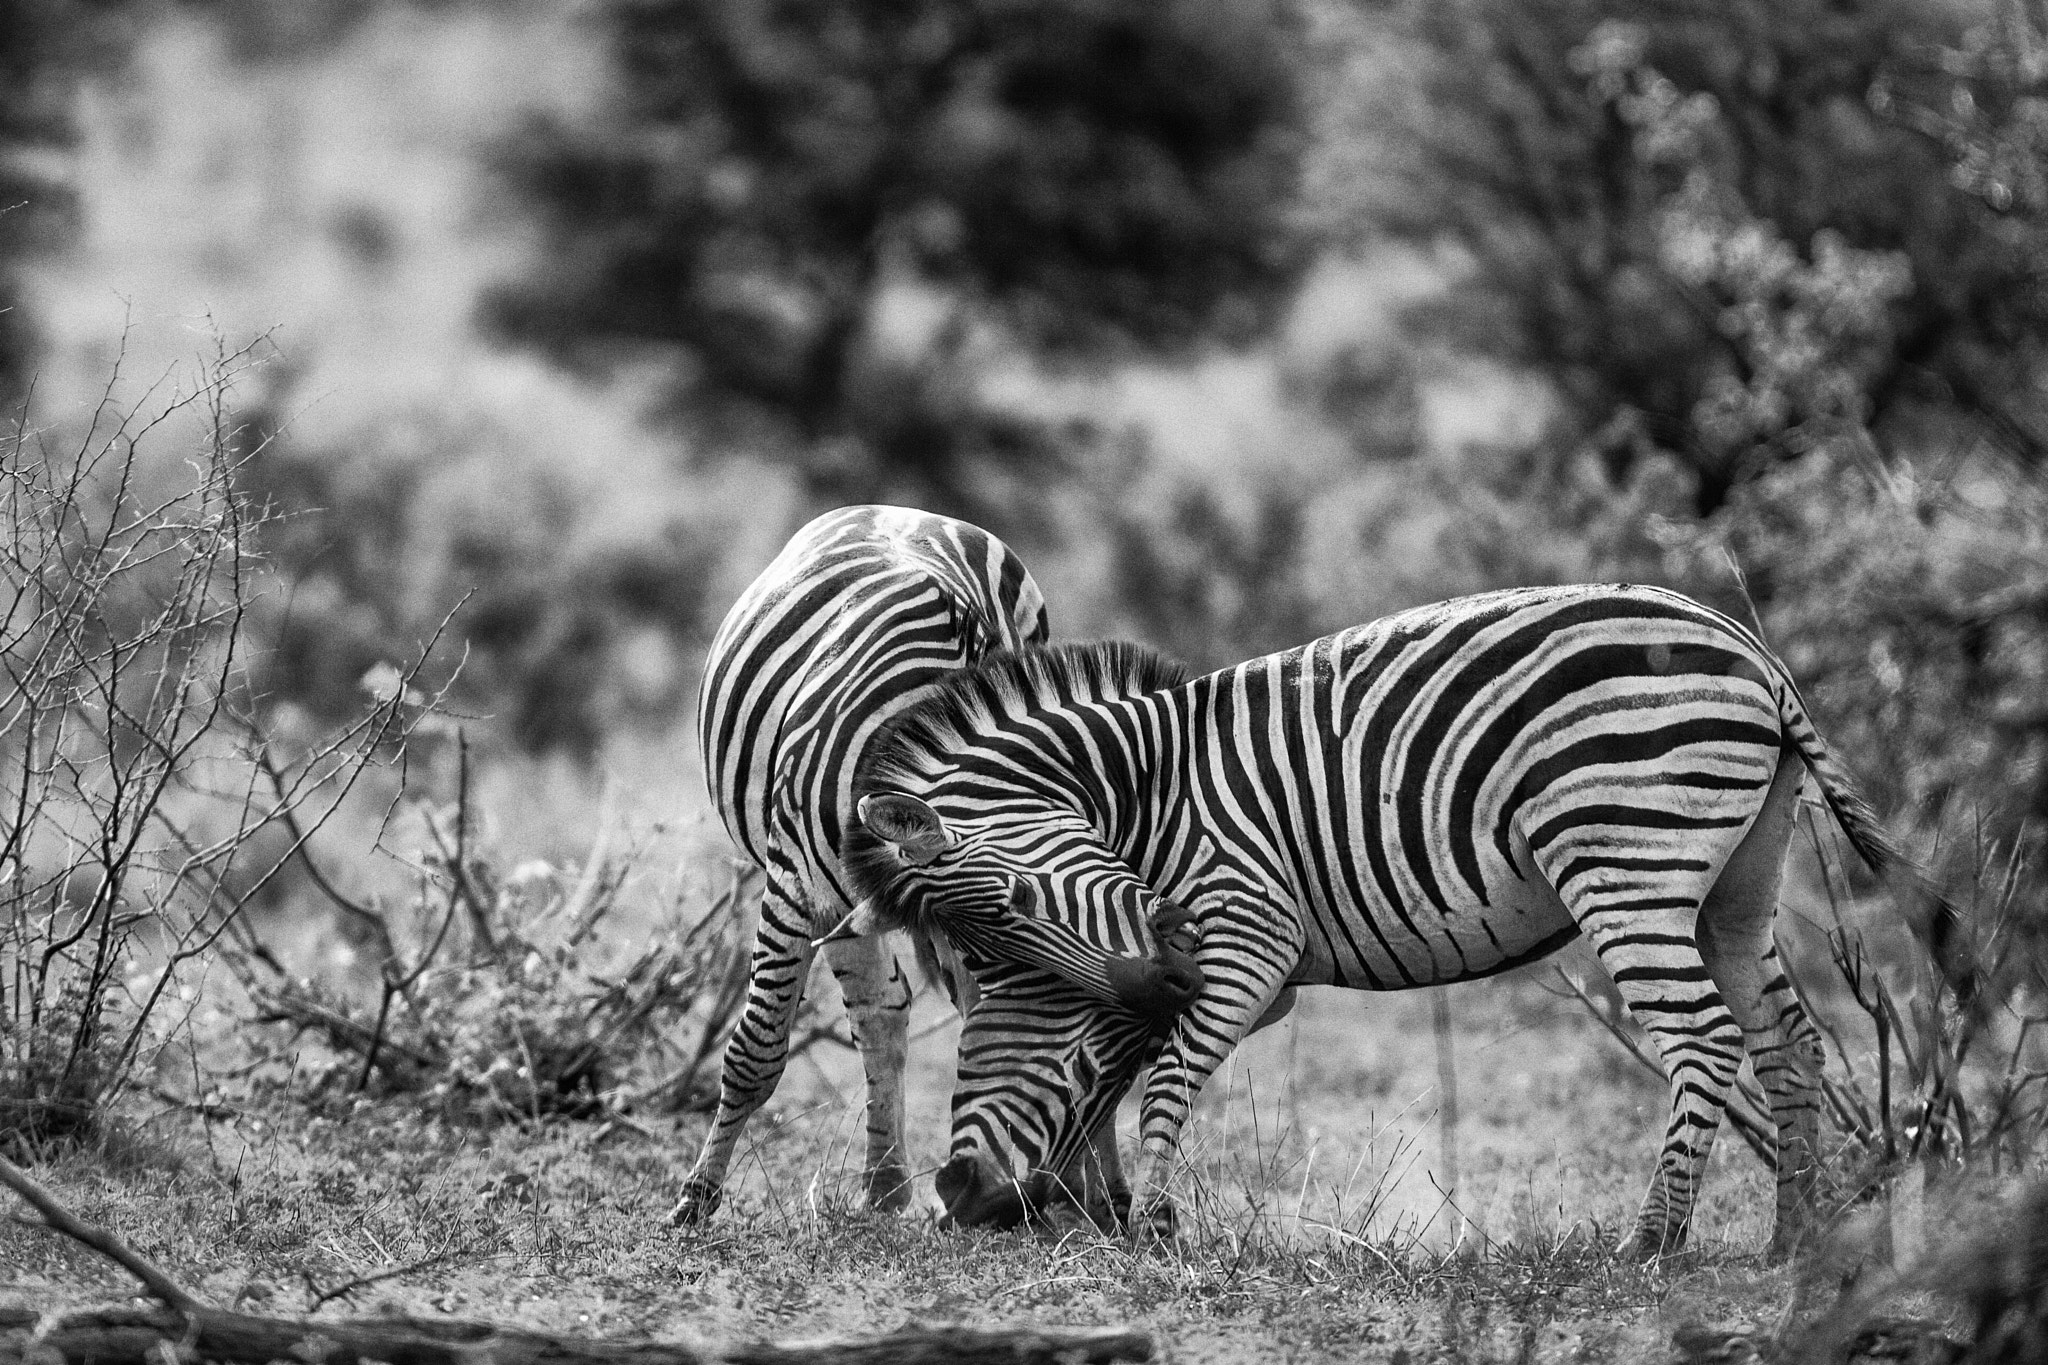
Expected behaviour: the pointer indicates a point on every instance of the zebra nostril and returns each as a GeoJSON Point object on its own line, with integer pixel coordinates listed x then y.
{"type": "Point", "coordinates": [1181, 977]}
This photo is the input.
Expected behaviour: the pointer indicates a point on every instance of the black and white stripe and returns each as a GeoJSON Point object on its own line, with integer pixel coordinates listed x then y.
{"type": "Point", "coordinates": [1437, 796]}
{"type": "Point", "coordinates": [865, 606]}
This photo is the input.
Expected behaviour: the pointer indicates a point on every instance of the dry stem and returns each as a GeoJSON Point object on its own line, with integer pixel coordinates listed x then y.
{"type": "Point", "coordinates": [59, 1219]}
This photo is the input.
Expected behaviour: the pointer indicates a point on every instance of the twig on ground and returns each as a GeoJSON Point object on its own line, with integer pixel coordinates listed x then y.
{"type": "Point", "coordinates": [128, 1336]}
{"type": "Point", "coordinates": [323, 1297]}
{"type": "Point", "coordinates": [206, 1109]}
{"type": "Point", "coordinates": [59, 1219]}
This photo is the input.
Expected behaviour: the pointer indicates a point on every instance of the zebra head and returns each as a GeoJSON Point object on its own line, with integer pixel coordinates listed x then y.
{"type": "Point", "coordinates": [1042, 1066]}
{"type": "Point", "coordinates": [964, 830]}
{"type": "Point", "coordinates": [1003, 912]}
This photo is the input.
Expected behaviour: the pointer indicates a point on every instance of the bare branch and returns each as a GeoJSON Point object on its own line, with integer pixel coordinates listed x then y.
{"type": "Point", "coordinates": [59, 1219]}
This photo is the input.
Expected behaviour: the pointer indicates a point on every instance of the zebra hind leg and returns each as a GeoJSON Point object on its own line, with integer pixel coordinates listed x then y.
{"type": "Point", "coordinates": [1656, 965]}
{"type": "Point", "coordinates": [1784, 1046]}
{"type": "Point", "coordinates": [878, 1006]}
{"type": "Point", "coordinates": [759, 1047]}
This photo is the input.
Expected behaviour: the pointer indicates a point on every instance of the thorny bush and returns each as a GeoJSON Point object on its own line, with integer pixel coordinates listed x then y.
{"type": "Point", "coordinates": [497, 1002]}
{"type": "Point", "coordinates": [133, 778]}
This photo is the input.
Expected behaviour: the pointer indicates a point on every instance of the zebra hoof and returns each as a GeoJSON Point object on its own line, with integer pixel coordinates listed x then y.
{"type": "Point", "coordinates": [700, 1200]}
{"type": "Point", "coordinates": [889, 1189]}
{"type": "Point", "coordinates": [1157, 1226]}
{"type": "Point", "coordinates": [1063, 1220]}
{"type": "Point", "coordinates": [1115, 1213]}
{"type": "Point", "coordinates": [1652, 1245]}
{"type": "Point", "coordinates": [1787, 1243]}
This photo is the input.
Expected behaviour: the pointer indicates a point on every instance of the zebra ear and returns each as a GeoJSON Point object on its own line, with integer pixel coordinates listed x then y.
{"type": "Point", "coordinates": [901, 819]}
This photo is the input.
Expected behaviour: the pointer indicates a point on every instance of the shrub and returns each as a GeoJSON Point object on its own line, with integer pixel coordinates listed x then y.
{"type": "Point", "coordinates": [133, 785]}
{"type": "Point", "coordinates": [496, 1002]}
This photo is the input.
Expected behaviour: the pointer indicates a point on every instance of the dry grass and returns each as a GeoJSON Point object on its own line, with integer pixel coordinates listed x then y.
{"type": "Point", "coordinates": [1309, 1233]}
{"type": "Point", "coordinates": [1315, 1226]}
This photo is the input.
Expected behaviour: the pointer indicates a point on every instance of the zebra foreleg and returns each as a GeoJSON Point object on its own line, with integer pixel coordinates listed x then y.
{"type": "Point", "coordinates": [759, 1047]}
{"type": "Point", "coordinates": [1245, 966]}
{"type": "Point", "coordinates": [878, 1007]}
{"type": "Point", "coordinates": [1096, 1194]}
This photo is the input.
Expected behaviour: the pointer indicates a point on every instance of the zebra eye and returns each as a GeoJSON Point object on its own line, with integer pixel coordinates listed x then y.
{"type": "Point", "coordinates": [1023, 898]}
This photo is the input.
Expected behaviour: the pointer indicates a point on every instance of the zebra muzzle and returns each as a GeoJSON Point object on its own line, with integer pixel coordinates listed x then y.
{"type": "Point", "coordinates": [1159, 987]}
{"type": "Point", "coordinates": [975, 1194]}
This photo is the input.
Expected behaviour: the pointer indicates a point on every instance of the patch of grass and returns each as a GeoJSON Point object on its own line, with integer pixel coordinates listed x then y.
{"type": "Point", "coordinates": [556, 1224]}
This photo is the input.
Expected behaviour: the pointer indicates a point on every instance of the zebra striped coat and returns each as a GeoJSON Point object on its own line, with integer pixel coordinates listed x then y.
{"type": "Point", "coordinates": [863, 607]}
{"type": "Point", "coordinates": [1437, 796]}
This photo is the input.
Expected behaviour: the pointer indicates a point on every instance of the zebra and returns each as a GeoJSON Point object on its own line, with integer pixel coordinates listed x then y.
{"type": "Point", "coordinates": [862, 608]}
{"type": "Point", "coordinates": [865, 606]}
{"type": "Point", "coordinates": [1437, 796]}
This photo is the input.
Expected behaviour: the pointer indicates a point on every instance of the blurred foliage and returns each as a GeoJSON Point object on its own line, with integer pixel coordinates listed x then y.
{"type": "Point", "coordinates": [820, 219]}
{"type": "Point", "coordinates": [1217, 560]}
{"type": "Point", "coordinates": [1211, 587]}
{"type": "Point", "coordinates": [1728, 220]}
{"type": "Point", "coordinates": [44, 45]}
{"type": "Point", "coordinates": [569, 628]}
{"type": "Point", "coordinates": [1935, 677]}
{"type": "Point", "coordinates": [1208, 570]}
{"type": "Point", "coordinates": [1842, 372]}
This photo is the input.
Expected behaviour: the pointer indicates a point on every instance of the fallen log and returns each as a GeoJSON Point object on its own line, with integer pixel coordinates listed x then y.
{"type": "Point", "coordinates": [180, 1330]}
{"type": "Point", "coordinates": [158, 1335]}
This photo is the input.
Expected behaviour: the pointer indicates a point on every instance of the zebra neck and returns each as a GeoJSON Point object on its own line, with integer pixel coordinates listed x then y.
{"type": "Point", "coordinates": [1121, 768]}
{"type": "Point", "coordinates": [1143, 811]}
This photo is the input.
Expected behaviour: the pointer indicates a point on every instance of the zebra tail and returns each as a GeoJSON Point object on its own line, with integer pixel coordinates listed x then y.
{"type": "Point", "coordinates": [1867, 835]}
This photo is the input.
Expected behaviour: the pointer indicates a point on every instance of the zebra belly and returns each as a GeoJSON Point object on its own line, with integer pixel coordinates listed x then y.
{"type": "Point", "coordinates": [1521, 921]}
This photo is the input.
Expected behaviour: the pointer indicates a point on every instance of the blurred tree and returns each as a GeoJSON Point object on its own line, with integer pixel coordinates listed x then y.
{"type": "Point", "coordinates": [1561, 146]}
{"type": "Point", "coordinates": [822, 217]}
{"type": "Point", "coordinates": [1210, 574]}
{"type": "Point", "coordinates": [1941, 667]}
{"type": "Point", "coordinates": [1936, 678]}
